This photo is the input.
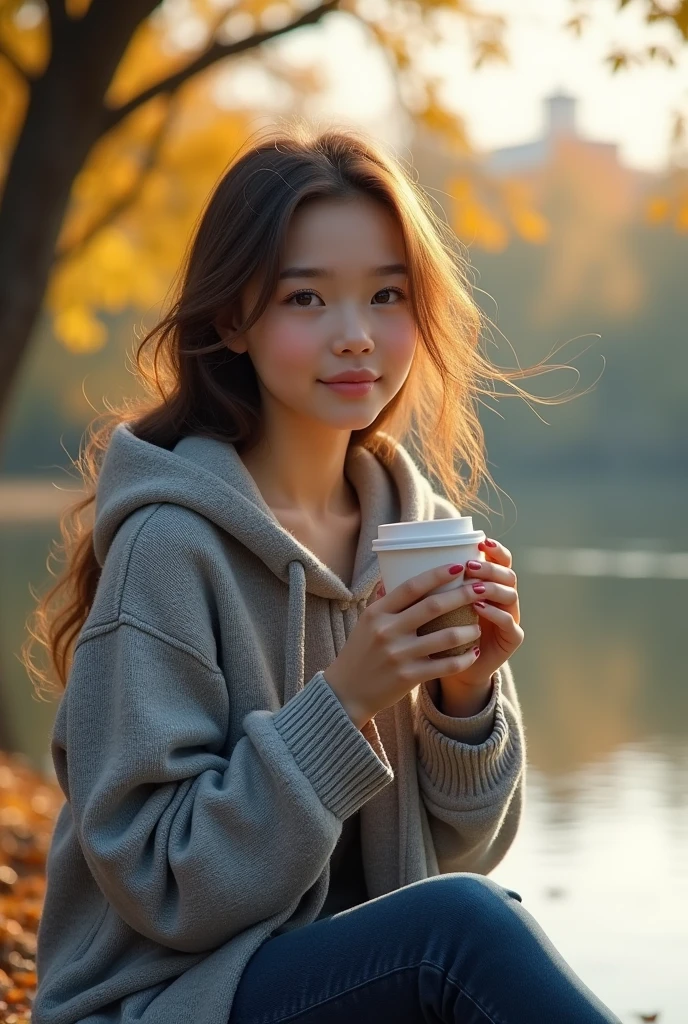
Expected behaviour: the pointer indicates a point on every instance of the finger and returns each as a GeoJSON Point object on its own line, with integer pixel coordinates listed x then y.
{"type": "Point", "coordinates": [496, 552]}
{"type": "Point", "coordinates": [499, 616]}
{"type": "Point", "coordinates": [452, 665]}
{"type": "Point", "coordinates": [436, 604]}
{"type": "Point", "coordinates": [496, 593]}
{"type": "Point", "coordinates": [490, 571]}
{"type": "Point", "coordinates": [431, 645]}
{"type": "Point", "coordinates": [503, 620]}
{"type": "Point", "coordinates": [486, 608]}
{"type": "Point", "coordinates": [415, 588]}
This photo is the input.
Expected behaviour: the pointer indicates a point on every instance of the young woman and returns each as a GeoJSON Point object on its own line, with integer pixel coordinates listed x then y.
{"type": "Point", "coordinates": [278, 806]}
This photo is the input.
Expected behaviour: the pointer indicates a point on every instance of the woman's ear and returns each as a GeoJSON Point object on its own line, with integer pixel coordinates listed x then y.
{"type": "Point", "coordinates": [224, 324]}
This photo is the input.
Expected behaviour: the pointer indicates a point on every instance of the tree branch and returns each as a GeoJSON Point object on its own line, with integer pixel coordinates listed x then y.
{"type": "Point", "coordinates": [56, 11]}
{"type": "Point", "coordinates": [100, 14]}
{"type": "Point", "coordinates": [129, 197]}
{"type": "Point", "coordinates": [215, 52]}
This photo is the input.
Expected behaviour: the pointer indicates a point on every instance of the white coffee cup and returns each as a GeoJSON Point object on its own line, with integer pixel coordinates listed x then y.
{"type": "Point", "coordinates": [407, 549]}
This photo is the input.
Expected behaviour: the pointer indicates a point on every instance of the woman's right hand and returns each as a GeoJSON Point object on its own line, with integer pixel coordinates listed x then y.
{"type": "Point", "coordinates": [384, 657]}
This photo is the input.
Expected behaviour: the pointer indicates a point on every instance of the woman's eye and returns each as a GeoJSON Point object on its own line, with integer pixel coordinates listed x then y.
{"type": "Point", "coordinates": [388, 292]}
{"type": "Point", "coordinates": [302, 295]}
{"type": "Point", "coordinates": [296, 297]}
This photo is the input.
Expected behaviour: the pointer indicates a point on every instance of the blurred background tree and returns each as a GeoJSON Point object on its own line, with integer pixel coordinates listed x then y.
{"type": "Point", "coordinates": [113, 131]}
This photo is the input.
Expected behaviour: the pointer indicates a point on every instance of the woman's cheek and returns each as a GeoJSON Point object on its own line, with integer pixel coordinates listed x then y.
{"type": "Point", "coordinates": [293, 356]}
{"type": "Point", "coordinates": [400, 350]}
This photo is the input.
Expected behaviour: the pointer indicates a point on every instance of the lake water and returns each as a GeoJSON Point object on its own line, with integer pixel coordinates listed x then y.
{"type": "Point", "coordinates": [601, 859]}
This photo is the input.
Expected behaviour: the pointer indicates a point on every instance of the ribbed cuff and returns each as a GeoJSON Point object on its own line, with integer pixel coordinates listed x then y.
{"type": "Point", "coordinates": [473, 730]}
{"type": "Point", "coordinates": [461, 772]}
{"type": "Point", "coordinates": [338, 761]}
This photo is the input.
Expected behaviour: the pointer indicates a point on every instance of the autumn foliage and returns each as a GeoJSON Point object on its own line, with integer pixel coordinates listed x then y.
{"type": "Point", "coordinates": [29, 804]}
{"type": "Point", "coordinates": [116, 120]}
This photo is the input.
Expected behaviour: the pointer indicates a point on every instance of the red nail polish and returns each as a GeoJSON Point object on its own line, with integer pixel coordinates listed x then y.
{"type": "Point", "coordinates": [454, 569]}
{"type": "Point", "coordinates": [478, 604]}
{"type": "Point", "coordinates": [476, 651]}
{"type": "Point", "coordinates": [491, 543]}
{"type": "Point", "coordinates": [479, 588]}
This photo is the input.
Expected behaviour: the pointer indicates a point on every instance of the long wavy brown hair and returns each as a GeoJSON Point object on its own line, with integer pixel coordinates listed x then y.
{"type": "Point", "coordinates": [193, 384]}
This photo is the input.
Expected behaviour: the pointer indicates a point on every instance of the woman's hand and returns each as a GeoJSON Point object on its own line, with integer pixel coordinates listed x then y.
{"type": "Point", "coordinates": [384, 658]}
{"type": "Point", "coordinates": [500, 615]}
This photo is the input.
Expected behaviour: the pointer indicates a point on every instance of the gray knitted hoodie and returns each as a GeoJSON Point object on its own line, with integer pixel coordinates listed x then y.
{"type": "Point", "coordinates": [207, 765]}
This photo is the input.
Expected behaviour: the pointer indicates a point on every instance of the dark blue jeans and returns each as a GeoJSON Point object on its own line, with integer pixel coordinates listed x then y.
{"type": "Point", "coordinates": [454, 948]}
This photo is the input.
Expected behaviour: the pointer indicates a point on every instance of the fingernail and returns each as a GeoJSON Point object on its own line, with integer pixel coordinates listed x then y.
{"type": "Point", "coordinates": [479, 588]}
{"type": "Point", "coordinates": [474, 565]}
{"type": "Point", "coordinates": [491, 543]}
{"type": "Point", "coordinates": [478, 604]}
{"type": "Point", "coordinates": [381, 591]}
{"type": "Point", "coordinates": [476, 651]}
{"type": "Point", "coordinates": [453, 569]}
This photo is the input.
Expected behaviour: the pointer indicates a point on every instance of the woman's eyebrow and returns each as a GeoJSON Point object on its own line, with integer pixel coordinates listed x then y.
{"type": "Point", "coordinates": [387, 270]}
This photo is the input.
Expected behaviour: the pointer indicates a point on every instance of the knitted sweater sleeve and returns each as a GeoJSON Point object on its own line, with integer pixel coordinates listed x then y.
{"type": "Point", "coordinates": [193, 839]}
{"type": "Point", "coordinates": [472, 791]}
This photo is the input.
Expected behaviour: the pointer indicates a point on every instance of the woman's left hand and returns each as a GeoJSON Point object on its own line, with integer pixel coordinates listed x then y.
{"type": "Point", "coordinates": [499, 614]}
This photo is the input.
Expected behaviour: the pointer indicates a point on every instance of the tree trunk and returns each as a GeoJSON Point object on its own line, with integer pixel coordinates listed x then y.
{"type": "Point", "coordinates": [64, 119]}
{"type": "Point", "coordinates": [34, 203]}
{"type": "Point", "coordinates": [66, 116]}
{"type": "Point", "coordinates": [6, 736]}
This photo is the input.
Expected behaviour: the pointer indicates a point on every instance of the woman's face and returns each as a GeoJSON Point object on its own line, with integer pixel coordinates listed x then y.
{"type": "Point", "coordinates": [341, 303]}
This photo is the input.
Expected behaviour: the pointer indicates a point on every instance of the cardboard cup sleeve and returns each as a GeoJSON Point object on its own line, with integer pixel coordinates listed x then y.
{"type": "Point", "coordinates": [464, 616]}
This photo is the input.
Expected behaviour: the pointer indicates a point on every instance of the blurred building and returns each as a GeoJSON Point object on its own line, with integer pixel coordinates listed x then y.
{"type": "Point", "coordinates": [560, 132]}
{"type": "Point", "coordinates": [559, 150]}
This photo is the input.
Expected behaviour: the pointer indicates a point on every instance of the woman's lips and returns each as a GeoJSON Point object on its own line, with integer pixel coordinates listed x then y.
{"type": "Point", "coordinates": [354, 389]}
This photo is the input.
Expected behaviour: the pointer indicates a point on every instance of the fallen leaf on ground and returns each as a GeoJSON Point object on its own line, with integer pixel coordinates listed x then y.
{"type": "Point", "coordinates": [29, 804]}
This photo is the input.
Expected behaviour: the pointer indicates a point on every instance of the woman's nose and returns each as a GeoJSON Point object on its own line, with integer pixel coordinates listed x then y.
{"type": "Point", "coordinates": [354, 335]}
{"type": "Point", "coordinates": [355, 344]}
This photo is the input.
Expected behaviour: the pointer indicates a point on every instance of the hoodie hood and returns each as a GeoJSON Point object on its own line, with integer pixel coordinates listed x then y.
{"type": "Point", "coordinates": [208, 476]}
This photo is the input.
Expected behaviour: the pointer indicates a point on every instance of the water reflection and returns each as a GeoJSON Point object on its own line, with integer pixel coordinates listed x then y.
{"type": "Point", "coordinates": [602, 865]}
{"type": "Point", "coordinates": [646, 563]}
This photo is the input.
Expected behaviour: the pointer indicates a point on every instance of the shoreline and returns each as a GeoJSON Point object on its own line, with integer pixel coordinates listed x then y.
{"type": "Point", "coordinates": [26, 500]}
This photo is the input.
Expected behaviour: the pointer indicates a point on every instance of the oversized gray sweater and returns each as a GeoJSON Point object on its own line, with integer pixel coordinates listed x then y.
{"type": "Point", "coordinates": [207, 765]}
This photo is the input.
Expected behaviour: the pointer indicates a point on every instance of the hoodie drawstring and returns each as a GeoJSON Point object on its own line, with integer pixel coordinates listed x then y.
{"type": "Point", "coordinates": [343, 617]}
{"type": "Point", "coordinates": [296, 629]}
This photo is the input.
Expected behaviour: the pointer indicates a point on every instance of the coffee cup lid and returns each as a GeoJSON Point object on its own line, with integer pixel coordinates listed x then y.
{"type": "Point", "coordinates": [426, 533]}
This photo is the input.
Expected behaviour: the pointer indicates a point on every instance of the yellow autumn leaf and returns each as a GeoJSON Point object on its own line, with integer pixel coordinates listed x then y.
{"type": "Point", "coordinates": [14, 97]}
{"type": "Point", "coordinates": [681, 220]}
{"type": "Point", "coordinates": [466, 222]}
{"type": "Point", "coordinates": [77, 8]}
{"type": "Point", "coordinates": [446, 123]}
{"type": "Point", "coordinates": [259, 8]}
{"type": "Point", "coordinates": [79, 330]}
{"type": "Point", "coordinates": [530, 225]}
{"type": "Point", "coordinates": [492, 234]}
{"type": "Point", "coordinates": [113, 250]}
{"type": "Point", "coordinates": [460, 189]}
{"type": "Point", "coordinates": [25, 34]}
{"type": "Point", "coordinates": [657, 209]}
{"type": "Point", "coordinates": [147, 59]}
